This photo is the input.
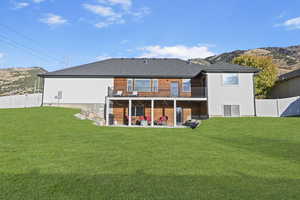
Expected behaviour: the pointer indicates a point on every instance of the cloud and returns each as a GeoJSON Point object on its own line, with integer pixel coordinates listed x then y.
{"type": "Point", "coordinates": [1, 55]}
{"type": "Point", "coordinates": [107, 13]}
{"type": "Point", "coordinates": [111, 12]}
{"type": "Point", "coordinates": [126, 4]}
{"type": "Point", "coordinates": [124, 42]}
{"type": "Point", "coordinates": [19, 5]}
{"type": "Point", "coordinates": [293, 23]}
{"type": "Point", "coordinates": [52, 19]}
{"type": "Point", "coordinates": [178, 51]}
{"type": "Point", "coordinates": [109, 22]}
{"type": "Point", "coordinates": [142, 12]}
{"type": "Point", "coordinates": [38, 1]}
{"type": "Point", "coordinates": [101, 10]}
{"type": "Point", "coordinates": [102, 57]}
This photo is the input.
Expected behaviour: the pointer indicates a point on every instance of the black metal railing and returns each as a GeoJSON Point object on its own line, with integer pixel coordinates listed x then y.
{"type": "Point", "coordinates": [196, 92]}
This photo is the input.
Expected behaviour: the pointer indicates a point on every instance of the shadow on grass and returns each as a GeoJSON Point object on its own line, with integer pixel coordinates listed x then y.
{"type": "Point", "coordinates": [282, 149]}
{"type": "Point", "coordinates": [142, 186]}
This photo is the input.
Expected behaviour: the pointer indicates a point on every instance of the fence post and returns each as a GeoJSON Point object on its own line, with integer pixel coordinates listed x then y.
{"type": "Point", "coordinates": [277, 106]}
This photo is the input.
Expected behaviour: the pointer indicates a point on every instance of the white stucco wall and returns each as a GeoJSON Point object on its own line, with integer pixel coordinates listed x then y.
{"type": "Point", "coordinates": [220, 95]}
{"type": "Point", "coordinates": [76, 90]}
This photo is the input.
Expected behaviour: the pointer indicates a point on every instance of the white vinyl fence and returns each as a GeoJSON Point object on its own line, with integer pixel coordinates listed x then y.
{"type": "Point", "coordinates": [21, 101]}
{"type": "Point", "coordinates": [278, 107]}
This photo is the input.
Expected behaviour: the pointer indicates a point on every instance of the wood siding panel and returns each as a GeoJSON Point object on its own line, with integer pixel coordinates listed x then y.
{"type": "Point", "coordinates": [164, 87]}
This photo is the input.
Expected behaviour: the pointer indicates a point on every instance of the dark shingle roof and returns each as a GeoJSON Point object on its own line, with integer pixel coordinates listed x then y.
{"type": "Point", "coordinates": [289, 75]}
{"type": "Point", "coordinates": [145, 67]}
{"type": "Point", "coordinates": [229, 68]}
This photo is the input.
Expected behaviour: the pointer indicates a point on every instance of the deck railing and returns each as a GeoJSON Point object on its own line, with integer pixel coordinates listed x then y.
{"type": "Point", "coordinates": [194, 92]}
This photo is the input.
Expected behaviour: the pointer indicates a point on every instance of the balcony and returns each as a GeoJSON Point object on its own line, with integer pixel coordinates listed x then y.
{"type": "Point", "coordinates": [195, 92]}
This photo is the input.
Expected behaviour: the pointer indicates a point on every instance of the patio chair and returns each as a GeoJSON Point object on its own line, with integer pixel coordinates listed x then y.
{"type": "Point", "coordinates": [134, 93]}
{"type": "Point", "coordinates": [119, 93]}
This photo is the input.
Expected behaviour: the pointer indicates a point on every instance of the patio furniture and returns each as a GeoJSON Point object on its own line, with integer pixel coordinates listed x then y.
{"type": "Point", "coordinates": [134, 93]}
{"type": "Point", "coordinates": [163, 120]}
{"type": "Point", "coordinates": [119, 93]}
{"type": "Point", "coordinates": [148, 119]}
{"type": "Point", "coordinates": [144, 123]}
{"type": "Point", "coordinates": [192, 123]}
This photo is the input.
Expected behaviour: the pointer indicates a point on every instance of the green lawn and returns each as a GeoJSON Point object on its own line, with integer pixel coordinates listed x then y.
{"type": "Point", "coordinates": [45, 153]}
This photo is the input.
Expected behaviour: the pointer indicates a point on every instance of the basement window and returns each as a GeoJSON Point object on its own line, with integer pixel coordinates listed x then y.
{"type": "Point", "coordinates": [232, 110]}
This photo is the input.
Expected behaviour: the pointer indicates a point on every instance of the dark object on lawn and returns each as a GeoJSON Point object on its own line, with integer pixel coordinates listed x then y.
{"type": "Point", "coordinates": [192, 123]}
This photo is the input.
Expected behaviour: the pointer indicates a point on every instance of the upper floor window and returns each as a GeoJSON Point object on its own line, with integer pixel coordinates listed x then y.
{"type": "Point", "coordinates": [155, 85]}
{"type": "Point", "coordinates": [142, 85]}
{"type": "Point", "coordinates": [186, 85]}
{"type": "Point", "coordinates": [129, 85]}
{"type": "Point", "coordinates": [230, 79]}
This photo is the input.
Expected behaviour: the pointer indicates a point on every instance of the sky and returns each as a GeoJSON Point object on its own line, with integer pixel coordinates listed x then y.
{"type": "Point", "coordinates": [55, 34]}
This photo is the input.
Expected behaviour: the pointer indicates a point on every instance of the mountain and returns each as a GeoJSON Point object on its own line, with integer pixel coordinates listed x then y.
{"type": "Point", "coordinates": [15, 81]}
{"type": "Point", "coordinates": [287, 58]}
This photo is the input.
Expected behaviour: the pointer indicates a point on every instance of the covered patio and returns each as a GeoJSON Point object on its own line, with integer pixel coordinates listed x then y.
{"type": "Point", "coordinates": [154, 111]}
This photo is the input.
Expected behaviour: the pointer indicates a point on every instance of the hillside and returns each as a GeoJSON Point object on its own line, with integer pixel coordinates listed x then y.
{"type": "Point", "coordinates": [288, 58]}
{"type": "Point", "coordinates": [15, 81]}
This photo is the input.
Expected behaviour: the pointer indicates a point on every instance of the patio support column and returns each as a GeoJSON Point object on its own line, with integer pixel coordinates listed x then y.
{"type": "Point", "coordinates": [107, 112]}
{"type": "Point", "coordinates": [175, 117]}
{"type": "Point", "coordinates": [152, 112]}
{"type": "Point", "coordinates": [129, 112]}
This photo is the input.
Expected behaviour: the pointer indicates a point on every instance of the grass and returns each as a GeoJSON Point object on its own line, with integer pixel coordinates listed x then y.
{"type": "Point", "coordinates": [45, 153]}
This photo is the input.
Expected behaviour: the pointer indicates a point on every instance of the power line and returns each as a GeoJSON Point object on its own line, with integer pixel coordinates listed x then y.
{"type": "Point", "coordinates": [29, 39]}
{"type": "Point", "coordinates": [18, 46]}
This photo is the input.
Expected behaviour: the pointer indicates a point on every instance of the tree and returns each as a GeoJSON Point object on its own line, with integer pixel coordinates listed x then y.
{"type": "Point", "coordinates": [266, 78]}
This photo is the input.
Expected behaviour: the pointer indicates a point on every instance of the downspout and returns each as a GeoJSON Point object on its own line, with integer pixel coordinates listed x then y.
{"type": "Point", "coordinates": [206, 93]}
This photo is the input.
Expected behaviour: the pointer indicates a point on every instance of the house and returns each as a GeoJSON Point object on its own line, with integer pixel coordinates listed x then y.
{"type": "Point", "coordinates": [153, 91]}
{"type": "Point", "coordinates": [288, 85]}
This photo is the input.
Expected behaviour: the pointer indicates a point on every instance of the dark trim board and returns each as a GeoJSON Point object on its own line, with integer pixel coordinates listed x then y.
{"type": "Point", "coordinates": [110, 76]}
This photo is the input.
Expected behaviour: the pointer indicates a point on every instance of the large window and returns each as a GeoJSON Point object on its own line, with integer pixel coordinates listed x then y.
{"type": "Point", "coordinates": [186, 85]}
{"type": "Point", "coordinates": [129, 85]}
{"type": "Point", "coordinates": [155, 85]}
{"type": "Point", "coordinates": [142, 85]}
{"type": "Point", "coordinates": [138, 111]}
{"type": "Point", "coordinates": [230, 79]}
{"type": "Point", "coordinates": [231, 110]}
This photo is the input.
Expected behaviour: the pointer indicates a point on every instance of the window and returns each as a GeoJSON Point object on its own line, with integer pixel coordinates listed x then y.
{"type": "Point", "coordinates": [137, 111]}
{"type": "Point", "coordinates": [142, 85]}
{"type": "Point", "coordinates": [231, 110]}
{"type": "Point", "coordinates": [155, 85]}
{"type": "Point", "coordinates": [129, 85]}
{"type": "Point", "coordinates": [186, 85]}
{"type": "Point", "coordinates": [230, 79]}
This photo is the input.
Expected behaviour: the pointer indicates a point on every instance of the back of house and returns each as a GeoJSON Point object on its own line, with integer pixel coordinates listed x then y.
{"type": "Point", "coordinates": [162, 92]}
